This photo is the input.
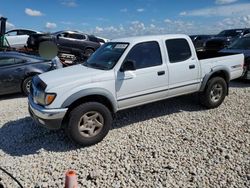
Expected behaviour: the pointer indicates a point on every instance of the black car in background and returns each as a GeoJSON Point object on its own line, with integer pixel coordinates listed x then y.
{"type": "Point", "coordinates": [199, 41]}
{"type": "Point", "coordinates": [242, 45]}
{"type": "Point", "coordinates": [225, 38]}
{"type": "Point", "coordinates": [17, 70]}
{"type": "Point", "coordinates": [70, 42]}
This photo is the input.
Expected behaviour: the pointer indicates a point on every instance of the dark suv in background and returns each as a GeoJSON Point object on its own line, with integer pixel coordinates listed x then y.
{"type": "Point", "coordinates": [224, 38]}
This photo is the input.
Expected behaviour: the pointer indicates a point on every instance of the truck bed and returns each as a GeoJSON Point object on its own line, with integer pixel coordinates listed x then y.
{"type": "Point", "coordinates": [211, 54]}
{"type": "Point", "coordinates": [233, 63]}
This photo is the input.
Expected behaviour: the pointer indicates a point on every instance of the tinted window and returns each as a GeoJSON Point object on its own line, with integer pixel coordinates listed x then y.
{"type": "Point", "coordinates": [93, 39]}
{"type": "Point", "coordinates": [25, 32]}
{"type": "Point", "coordinates": [18, 60]}
{"type": "Point", "coordinates": [11, 33]}
{"type": "Point", "coordinates": [178, 50]}
{"type": "Point", "coordinates": [241, 44]}
{"type": "Point", "coordinates": [145, 54]}
{"type": "Point", "coordinates": [76, 36]}
{"type": "Point", "coordinates": [4, 61]}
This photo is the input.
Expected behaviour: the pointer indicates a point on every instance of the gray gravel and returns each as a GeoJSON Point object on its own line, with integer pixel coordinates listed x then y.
{"type": "Point", "coordinates": [174, 143]}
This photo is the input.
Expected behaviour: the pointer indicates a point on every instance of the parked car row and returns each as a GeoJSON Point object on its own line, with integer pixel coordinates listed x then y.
{"type": "Point", "coordinates": [232, 41]}
{"type": "Point", "coordinates": [70, 42]}
{"type": "Point", "coordinates": [224, 39]}
{"type": "Point", "coordinates": [17, 69]}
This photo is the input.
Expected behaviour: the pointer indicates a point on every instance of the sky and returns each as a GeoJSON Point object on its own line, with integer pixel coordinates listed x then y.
{"type": "Point", "coordinates": [123, 18]}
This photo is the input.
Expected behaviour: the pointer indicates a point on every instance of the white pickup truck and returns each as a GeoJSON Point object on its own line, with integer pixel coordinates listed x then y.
{"type": "Point", "coordinates": [124, 73]}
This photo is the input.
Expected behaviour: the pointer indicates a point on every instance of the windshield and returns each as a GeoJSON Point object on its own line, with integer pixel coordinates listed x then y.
{"type": "Point", "coordinates": [229, 33]}
{"type": "Point", "coordinates": [106, 56]}
{"type": "Point", "coordinates": [241, 44]}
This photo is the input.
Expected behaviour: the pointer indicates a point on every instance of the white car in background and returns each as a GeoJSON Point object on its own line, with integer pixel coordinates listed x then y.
{"type": "Point", "coordinates": [17, 38]}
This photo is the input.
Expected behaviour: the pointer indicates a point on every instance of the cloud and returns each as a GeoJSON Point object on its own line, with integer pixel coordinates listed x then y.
{"type": "Point", "coordinates": [31, 12]}
{"type": "Point", "coordinates": [235, 22]}
{"type": "Point", "coordinates": [69, 3]}
{"type": "Point", "coordinates": [223, 2]}
{"type": "Point", "coordinates": [50, 25]}
{"type": "Point", "coordinates": [9, 26]}
{"type": "Point", "coordinates": [223, 11]}
{"type": "Point", "coordinates": [167, 21]}
{"type": "Point", "coordinates": [99, 29]}
{"type": "Point", "coordinates": [66, 22]}
{"type": "Point", "coordinates": [124, 10]}
{"type": "Point", "coordinates": [140, 10]}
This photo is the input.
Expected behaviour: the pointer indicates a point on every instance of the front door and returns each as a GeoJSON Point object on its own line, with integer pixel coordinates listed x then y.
{"type": "Point", "coordinates": [149, 82]}
{"type": "Point", "coordinates": [11, 74]}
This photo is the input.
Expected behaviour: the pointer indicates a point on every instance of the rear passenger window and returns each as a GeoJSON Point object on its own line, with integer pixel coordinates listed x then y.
{"type": "Point", "coordinates": [178, 50]}
{"type": "Point", "coordinates": [146, 54]}
{"type": "Point", "coordinates": [5, 61]}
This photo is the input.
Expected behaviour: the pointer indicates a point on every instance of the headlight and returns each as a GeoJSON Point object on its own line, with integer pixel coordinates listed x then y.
{"type": "Point", "coordinates": [43, 98]}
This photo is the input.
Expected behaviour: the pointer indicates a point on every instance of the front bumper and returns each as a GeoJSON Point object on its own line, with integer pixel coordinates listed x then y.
{"type": "Point", "coordinates": [49, 118]}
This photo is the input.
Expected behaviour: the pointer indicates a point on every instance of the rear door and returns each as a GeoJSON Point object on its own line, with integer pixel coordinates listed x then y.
{"type": "Point", "coordinates": [11, 74]}
{"type": "Point", "coordinates": [183, 67]}
{"type": "Point", "coordinates": [149, 82]}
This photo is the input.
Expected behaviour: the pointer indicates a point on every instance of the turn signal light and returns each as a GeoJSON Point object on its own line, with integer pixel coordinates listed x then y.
{"type": "Point", "coordinates": [50, 97]}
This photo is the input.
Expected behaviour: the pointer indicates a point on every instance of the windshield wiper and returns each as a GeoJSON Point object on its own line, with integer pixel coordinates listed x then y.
{"type": "Point", "coordinates": [94, 65]}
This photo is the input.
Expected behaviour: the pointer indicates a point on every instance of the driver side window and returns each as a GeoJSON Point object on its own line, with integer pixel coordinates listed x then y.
{"type": "Point", "coordinates": [146, 54]}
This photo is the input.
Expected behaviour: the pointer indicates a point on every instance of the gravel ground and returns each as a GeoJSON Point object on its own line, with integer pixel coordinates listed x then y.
{"type": "Point", "coordinates": [174, 143]}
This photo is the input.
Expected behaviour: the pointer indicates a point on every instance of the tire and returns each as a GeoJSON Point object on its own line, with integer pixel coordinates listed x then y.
{"type": "Point", "coordinates": [214, 93]}
{"type": "Point", "coordinates": [88, 52]}
{"type": "Point", "coordinates": [26, 85]}
{"type": "Point", "coordinates": [89, 123]}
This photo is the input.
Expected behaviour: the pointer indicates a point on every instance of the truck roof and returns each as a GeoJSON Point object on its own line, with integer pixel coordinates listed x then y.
{"type": "Point", "coordinates": [149, 38]}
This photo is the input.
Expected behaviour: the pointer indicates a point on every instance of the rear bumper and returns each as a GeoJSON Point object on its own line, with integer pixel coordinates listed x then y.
{"type": "Point", "coordinates": [49, 118]}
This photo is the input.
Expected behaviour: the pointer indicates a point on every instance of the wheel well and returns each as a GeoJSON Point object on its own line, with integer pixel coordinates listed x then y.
{"type": "Point", "coordinates": [26, 76]}
{"type": "Point", "coordinates": [92, 98]}
{"type": "Point", "coordinates": [222, 74]}
{"type": "Point", "coordinates": [89, 48]}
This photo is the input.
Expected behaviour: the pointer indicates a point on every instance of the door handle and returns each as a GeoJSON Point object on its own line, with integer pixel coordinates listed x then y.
{"type": "Point", "coordinates": [191, 66]}
{"type": "Point", "coordinates": [161, 73]}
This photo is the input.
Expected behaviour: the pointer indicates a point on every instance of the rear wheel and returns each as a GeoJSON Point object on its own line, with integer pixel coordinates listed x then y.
{"type": "Point", "coordinates": [215, 93]}
{"type": "Point", "coordinates": [89, 123]}
{"type": "Point", "coordinates": [26, 85]}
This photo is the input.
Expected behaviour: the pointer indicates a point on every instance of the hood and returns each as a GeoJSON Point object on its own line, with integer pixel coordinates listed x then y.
{"type": "Point", "coordinates": [74, 75]}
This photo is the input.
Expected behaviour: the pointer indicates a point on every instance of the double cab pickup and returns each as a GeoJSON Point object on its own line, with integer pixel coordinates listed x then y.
{"type": "Point", "coordinates": [125, 73]}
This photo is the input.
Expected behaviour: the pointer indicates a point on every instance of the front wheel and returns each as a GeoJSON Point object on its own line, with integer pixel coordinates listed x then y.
{"type": "Point", "coordinates": [215, 92]}
{"type": "Point", "coordinates": [89, 123]}
{"type": "Point", "coordinates": [26, 85]}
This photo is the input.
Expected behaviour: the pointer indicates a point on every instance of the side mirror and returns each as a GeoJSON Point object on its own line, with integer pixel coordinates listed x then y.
{"type": "Point", "coordinates": [58, 36]}
{"type": "Point", "coordinates": [128, 65]}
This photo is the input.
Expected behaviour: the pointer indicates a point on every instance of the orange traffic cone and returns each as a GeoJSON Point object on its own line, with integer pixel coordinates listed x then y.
{"type": "Point", "coordinates": [71, 179]}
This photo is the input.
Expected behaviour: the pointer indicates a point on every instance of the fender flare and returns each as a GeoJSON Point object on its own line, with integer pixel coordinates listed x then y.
{"type": "Point", "coordinates": [90, 92]}
{"type": "Point", "coordinates": [214, 71]}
